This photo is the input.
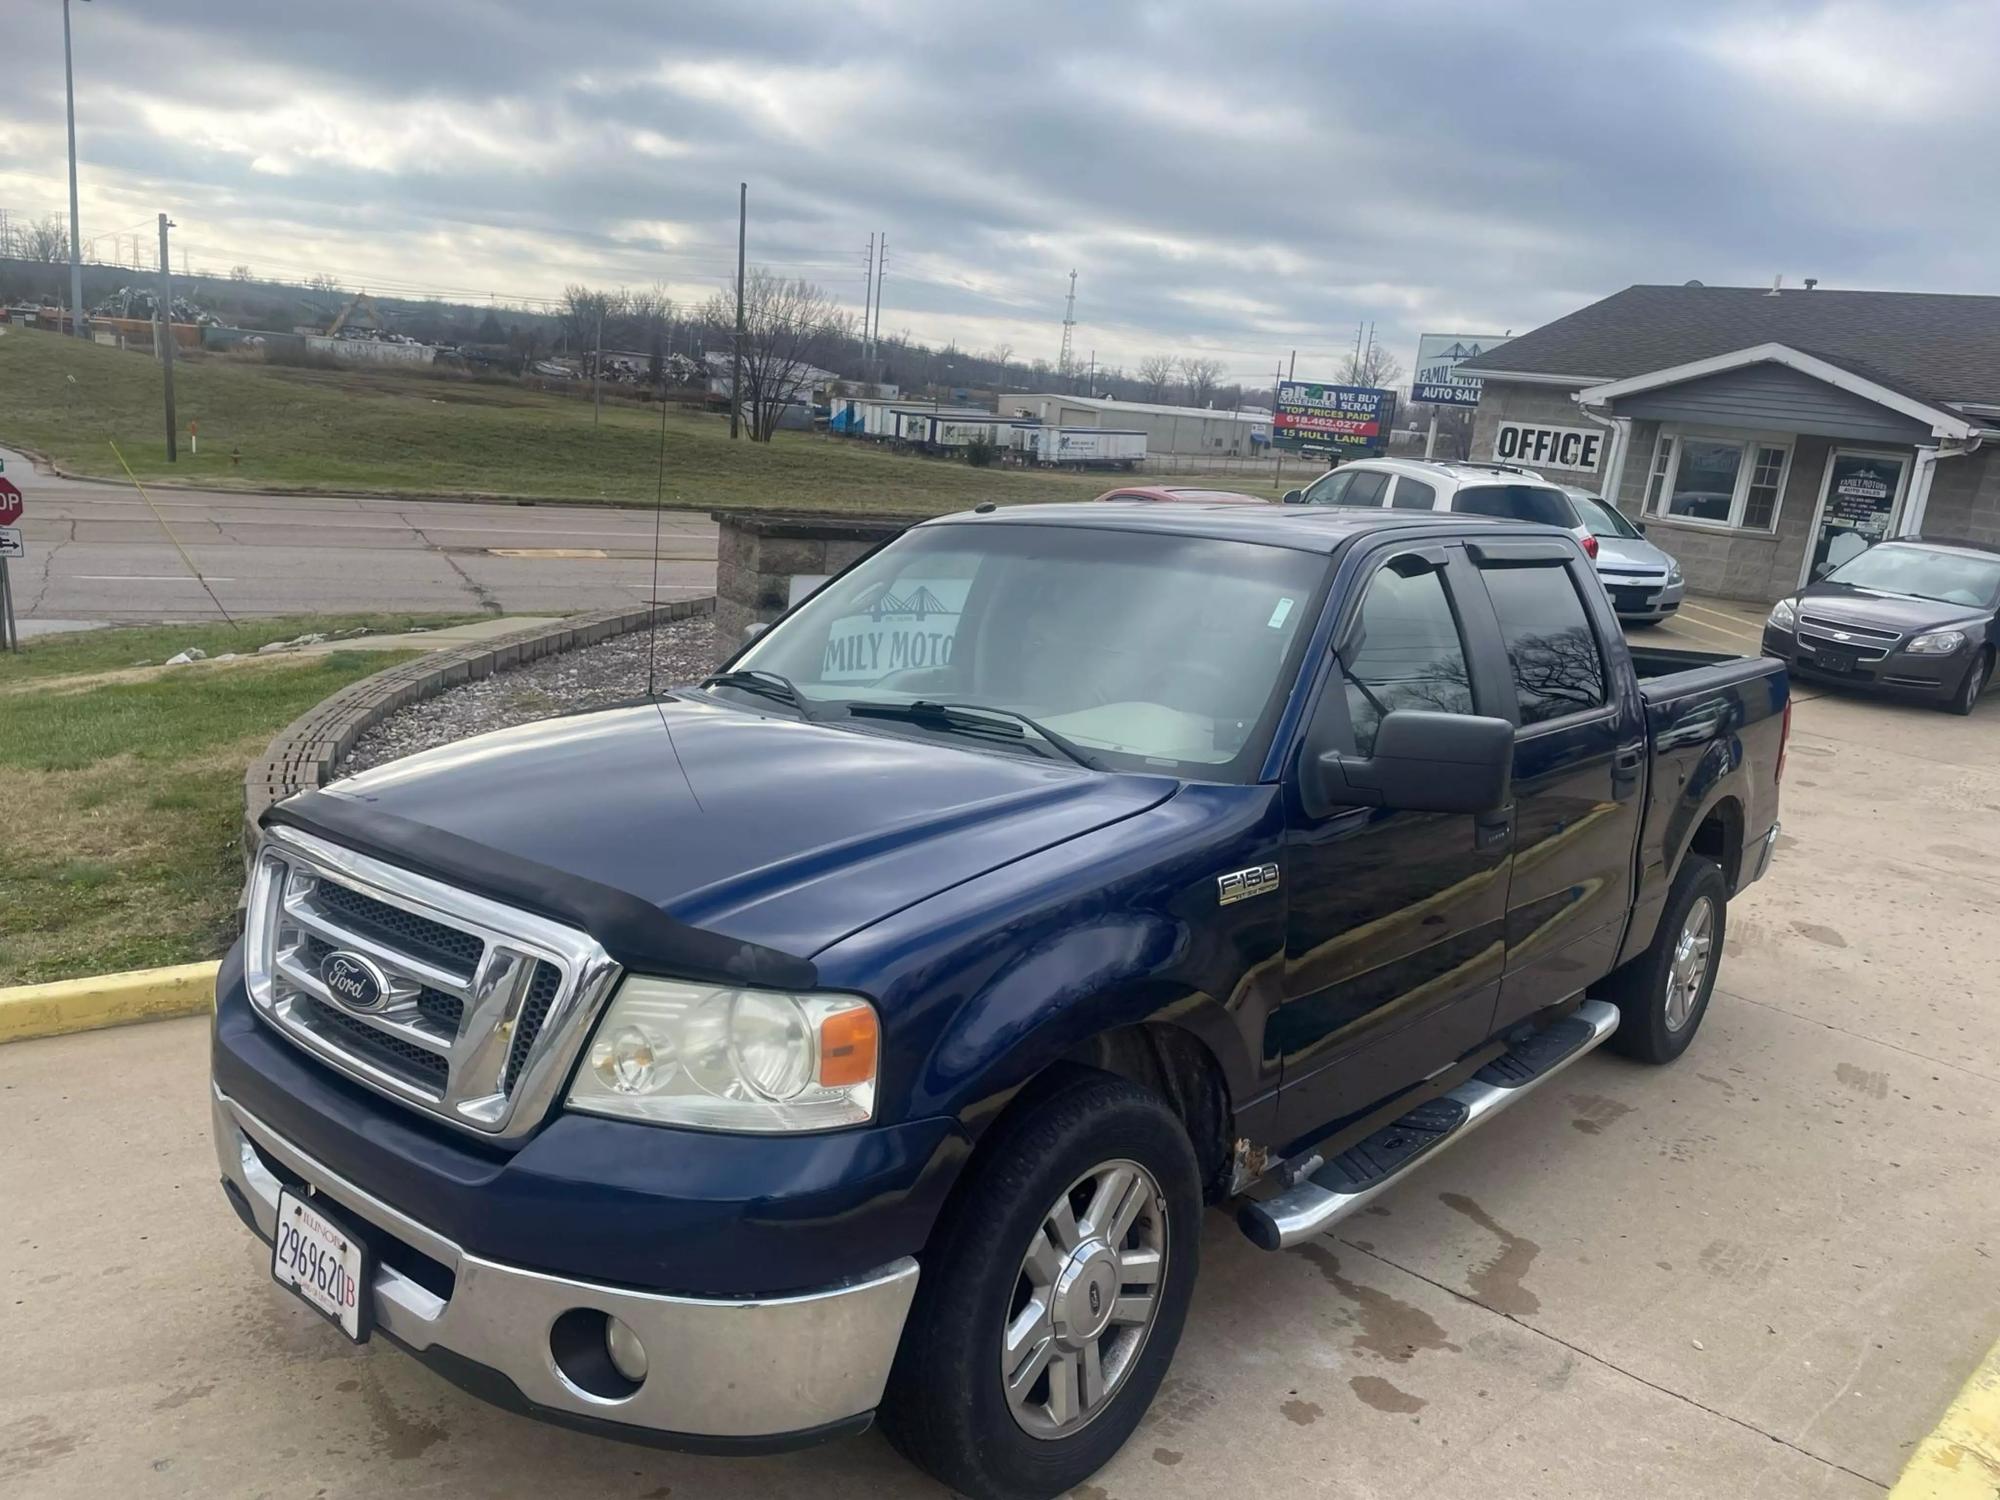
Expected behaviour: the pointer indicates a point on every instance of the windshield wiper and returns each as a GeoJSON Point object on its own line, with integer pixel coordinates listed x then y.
{"type": "Point", "coordinates": [766, 684]}
{"type": "Point", "coordinates": [958, 716]}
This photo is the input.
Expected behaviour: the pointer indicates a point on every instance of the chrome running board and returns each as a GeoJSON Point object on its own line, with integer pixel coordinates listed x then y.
{"type": "Point", "coordinates": [1353, 1179]}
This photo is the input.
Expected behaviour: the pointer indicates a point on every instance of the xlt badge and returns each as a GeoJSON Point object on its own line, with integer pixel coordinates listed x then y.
{"type": "Point", "coordinates": [1237, 885]}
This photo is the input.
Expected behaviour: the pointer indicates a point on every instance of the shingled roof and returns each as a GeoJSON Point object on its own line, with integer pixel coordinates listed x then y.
{"type": "Point", "coordinates": [1940, 347]}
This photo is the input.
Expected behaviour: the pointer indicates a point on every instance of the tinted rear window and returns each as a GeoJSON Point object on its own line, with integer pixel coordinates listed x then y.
{"type": "Point", "coordinates": [1516, 502]}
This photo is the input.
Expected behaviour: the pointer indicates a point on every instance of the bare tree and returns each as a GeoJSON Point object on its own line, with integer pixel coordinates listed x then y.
{"type": "Point", "coordinates": [46, 240]}
{"type": "Point", "coordinates": [1157, 371]}
{"type": "Point", "coordinates": [1001, 355]}
{"type": "Point", "coordinates": [322, 282]}
{"type": "Point", "coordinates": [788, 327]}
{"type": "Point", "coordinates": [1376, 366]}
{"type": "Point", "coordinates": [1199, 376]}
{"type": "Point", "coordinates": [649, 314]}
{"type": "Point", "coordinates": [240, 273]}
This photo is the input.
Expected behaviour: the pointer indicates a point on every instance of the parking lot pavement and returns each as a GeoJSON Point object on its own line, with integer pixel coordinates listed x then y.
{"type": "Point", "coordinates": [1760, 1272]}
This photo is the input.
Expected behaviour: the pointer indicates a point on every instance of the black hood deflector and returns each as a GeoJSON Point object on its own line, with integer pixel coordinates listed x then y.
{"type": "Point", "coordinates": [634, 932]}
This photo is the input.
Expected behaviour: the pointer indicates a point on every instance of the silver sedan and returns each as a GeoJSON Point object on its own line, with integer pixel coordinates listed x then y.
{"type": "Point", "coordinates": [1644, 582]}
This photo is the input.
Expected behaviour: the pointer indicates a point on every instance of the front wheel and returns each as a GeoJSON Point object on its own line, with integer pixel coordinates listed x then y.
{"type": "Point", "coordinates": [1663, 994]}
{"type": "Point", "coordinates": [1053, 1296]}
{"type": "Point", "coordinates": [1967, 697]}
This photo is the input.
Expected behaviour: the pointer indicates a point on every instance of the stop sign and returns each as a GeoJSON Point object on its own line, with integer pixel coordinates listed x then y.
{"type": "Point", "coordinates": [10, 503]}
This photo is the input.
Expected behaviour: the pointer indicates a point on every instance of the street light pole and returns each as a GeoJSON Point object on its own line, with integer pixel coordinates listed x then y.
{"type": "Point", "coordinates": [75, 235]}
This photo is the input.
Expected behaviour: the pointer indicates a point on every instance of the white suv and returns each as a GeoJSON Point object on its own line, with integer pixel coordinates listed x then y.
{"type": "Point", "coordinates": [1470, 489]}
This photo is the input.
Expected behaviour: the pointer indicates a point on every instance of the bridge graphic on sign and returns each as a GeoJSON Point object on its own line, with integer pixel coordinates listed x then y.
{"type": "Point", "coordinates": [918, 606]}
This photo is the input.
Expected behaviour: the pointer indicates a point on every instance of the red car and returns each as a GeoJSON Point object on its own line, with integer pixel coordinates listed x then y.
{"type": "Point", "coordinates": [1181, 496]}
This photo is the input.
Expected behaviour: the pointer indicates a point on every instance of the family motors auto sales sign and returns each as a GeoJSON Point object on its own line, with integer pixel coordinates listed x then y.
{"type": "Point", "coordinates": [1331, 416]}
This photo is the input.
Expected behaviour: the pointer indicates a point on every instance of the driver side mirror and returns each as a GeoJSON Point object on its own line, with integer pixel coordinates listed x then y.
{"type": "Point", "coordinates": [754, 629]}
{"type": "Point", "coordinates": [1423, 762]}
{"type": "Point", "coordinates": [1294, 497]}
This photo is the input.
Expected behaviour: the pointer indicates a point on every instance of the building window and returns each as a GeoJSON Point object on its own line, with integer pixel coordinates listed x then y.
{"type": "Point", "coordinates": [1711, 480]}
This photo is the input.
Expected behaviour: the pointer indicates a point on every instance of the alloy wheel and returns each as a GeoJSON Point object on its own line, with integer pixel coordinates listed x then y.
{"type": "Point", "coordinates": [1085, 1299]}
{"type": "Point", "coordinates": [1689, 969]}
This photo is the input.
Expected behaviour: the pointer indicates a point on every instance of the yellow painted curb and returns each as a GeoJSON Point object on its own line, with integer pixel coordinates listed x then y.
{"type": "Point", "coordinates": [1961, 1459]}
{"type": "Point", "coordinates": [32, 1010]}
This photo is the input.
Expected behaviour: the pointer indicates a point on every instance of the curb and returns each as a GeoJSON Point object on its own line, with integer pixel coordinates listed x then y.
{"type": "Point", "coordinates": [66, 1005]}
{"type": "Point", "coordinates": [1960, 1460]}
{"type": "Point", "coordinates": [305, 753]}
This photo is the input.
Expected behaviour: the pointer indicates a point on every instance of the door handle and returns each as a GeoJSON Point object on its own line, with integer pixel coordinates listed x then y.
{"type": "Point", "coordinates": [1492, 830]}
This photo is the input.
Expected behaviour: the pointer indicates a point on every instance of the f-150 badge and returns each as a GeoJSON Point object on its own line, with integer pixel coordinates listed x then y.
{"type": "Point", "coordinates": [1239, 885]}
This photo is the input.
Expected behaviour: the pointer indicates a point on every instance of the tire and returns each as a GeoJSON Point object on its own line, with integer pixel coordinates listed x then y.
{"type": "Point", "coordinates": [1662, 995]}
{"type": "Point", "coordinates": [946, 1408]}
{"type": "Point", "coordinates": [1973, 684]}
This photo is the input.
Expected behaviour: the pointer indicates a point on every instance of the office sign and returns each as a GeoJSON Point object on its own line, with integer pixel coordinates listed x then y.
{"type": "Point", "coordinates": [1535, 445]}
{"type": "Point", "coordinates": [1353, 417]}
{"type": "Point", "coordinates": [1437, 381]}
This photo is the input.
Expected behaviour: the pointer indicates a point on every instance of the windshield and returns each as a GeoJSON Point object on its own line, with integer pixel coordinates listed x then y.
{"type": "Point", "coordinates": [1920, 573]}
{"type": "Point", "coordinates": [1601, 518]}
{"type": "Point", "coordinates": [1150, 651]}
{"type": "Point", "coordinates": [1516, 502]}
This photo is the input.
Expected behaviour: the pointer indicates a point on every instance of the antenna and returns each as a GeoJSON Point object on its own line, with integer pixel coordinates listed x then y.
{"type": "Point", "coordinates": [1065, 359]}
{"type": "Point", "coordinates": [653, 597]}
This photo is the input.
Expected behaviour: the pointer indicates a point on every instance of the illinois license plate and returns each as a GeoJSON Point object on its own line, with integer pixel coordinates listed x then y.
{"type": "Point", "coordinates": [315, 1256]}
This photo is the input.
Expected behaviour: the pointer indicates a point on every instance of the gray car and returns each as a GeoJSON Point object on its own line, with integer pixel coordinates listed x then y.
{"type": "Point", "coordinates": [1645, 583]}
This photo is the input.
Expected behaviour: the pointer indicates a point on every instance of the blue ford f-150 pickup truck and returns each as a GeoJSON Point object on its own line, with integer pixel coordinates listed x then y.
{"type": "Point", "coordinates": [861, 1033]}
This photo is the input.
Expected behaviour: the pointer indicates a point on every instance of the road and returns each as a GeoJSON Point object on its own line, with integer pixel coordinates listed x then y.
{"type": "Point", "coordinates": [1762, 1271]}
{"type": "Point", "coordinates": [100, 552]}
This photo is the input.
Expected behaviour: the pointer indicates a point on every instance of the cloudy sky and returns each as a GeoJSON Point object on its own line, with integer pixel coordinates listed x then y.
{"type": "Point", "coordinates": [1233, 179]}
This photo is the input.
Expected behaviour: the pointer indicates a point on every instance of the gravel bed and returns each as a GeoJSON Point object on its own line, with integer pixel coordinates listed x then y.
{"type": "Point", "coordinates": [612, 671]}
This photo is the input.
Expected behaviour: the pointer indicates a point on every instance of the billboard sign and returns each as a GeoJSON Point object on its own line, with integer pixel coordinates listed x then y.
{"type": "Point", "coordinates": [1439, 355]}
{"type": "Point", "coordinates": [1332, 418]}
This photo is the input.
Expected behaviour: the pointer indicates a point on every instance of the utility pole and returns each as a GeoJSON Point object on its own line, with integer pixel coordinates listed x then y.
{"type": "Point", "coordinates": [881, 265]}
{"type": "Point", "coordinates": [1292, 373]}
{"type": "Point", "coordinates": [1064, 361]}
{"type": "Point", "coordinates": [1278, 453]}
{"type": "Point", "coordinates": [736, 355]}
{"type": "Point", "coordinates": [597, 372]}
{"type": "Point", "coordinates": [167, 332]}
{"type": "Point", "coordinates": [75, 234]}
{"type": "Point", "coordinates": [1090, 380]}
{"type": "Point", "coordinates": [868, 300]}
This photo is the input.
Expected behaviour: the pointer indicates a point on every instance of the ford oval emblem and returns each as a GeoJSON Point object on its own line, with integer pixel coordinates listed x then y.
{"type": "Point", "coordinates": [357, 983]}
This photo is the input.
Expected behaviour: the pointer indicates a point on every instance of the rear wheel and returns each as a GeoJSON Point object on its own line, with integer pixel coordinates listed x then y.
{"type": "Point", "coordinates": [1976, 677]}
{"type": "Point", "coordinates": [1052, 1298]}
{"type": "Point", "coordinates": [1663, 994]}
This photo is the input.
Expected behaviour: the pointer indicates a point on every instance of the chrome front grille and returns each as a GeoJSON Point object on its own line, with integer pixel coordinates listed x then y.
{"type": "Point", "coordinates": [483, 1006]}
{"type": "Point", "coordinates": [1867, 642]}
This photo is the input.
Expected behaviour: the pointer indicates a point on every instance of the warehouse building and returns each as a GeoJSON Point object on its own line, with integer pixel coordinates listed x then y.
{"type": "Point", "coordinates": [1763, 435]}
{"type": "Point", "coordinates": [1168, 429]}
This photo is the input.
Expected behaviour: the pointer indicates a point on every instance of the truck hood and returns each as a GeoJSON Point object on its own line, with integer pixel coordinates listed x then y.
{"type": "Point", "coordinates": [765, 829]}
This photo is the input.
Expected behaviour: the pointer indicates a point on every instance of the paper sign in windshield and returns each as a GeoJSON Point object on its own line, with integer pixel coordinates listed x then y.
{"type": "Point", "coordinates": [913, 624]}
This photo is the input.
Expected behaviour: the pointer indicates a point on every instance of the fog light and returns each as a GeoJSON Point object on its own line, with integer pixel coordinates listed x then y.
{"type": "Point", "coordinates": [628, 1355]}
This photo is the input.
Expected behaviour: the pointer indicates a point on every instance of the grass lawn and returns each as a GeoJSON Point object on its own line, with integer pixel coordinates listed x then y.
{"type": "Point", "coordinates": [119, 844]}
{"type": "Point", "coordinates": [384, 431]}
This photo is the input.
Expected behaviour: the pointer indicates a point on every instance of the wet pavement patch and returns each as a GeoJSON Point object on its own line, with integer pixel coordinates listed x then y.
{"type": "Point", "coordinates": [1497, 1284]}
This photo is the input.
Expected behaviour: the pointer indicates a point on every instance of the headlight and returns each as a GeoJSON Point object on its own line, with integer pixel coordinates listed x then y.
{"type": "Point", "coordinates": [1673, 571]}
{"type": "Point", "coordinates": [1782, 617]}
{"type": "Point", "coordinates": [675, 1053]}
{"type": "Point", "coordinates": [1937, 643]}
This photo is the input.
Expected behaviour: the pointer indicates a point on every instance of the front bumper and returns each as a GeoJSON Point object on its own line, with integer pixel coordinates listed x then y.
{"type": "Point", "coordinates": [1896, 672]}
{"type": "Point", "coordinates": [1637, 598]}
{"type": "Point", "coordinates": [750, 1374]}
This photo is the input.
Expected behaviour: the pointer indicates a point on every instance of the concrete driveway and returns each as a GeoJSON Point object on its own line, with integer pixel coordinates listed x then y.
{"type": "Point", "coordinates": [1760, 1272]}
{"type": "Point", "coordinates": [99, 552]}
